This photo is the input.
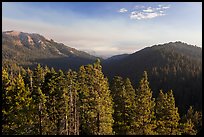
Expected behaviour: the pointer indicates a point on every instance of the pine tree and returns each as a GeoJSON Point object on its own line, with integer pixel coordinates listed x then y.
{"type": "Point", "coordinates": [191, 122]}
{"type": "Point", "coordinates": [190, 113]}
{"type": "Point", "coordinates": [40, 116]}
{"type": "Point", "coordinates": [160, 112]}
{"type": "Point", "coordinates": [46, 70]}
{"type": "Point", "coordinates": [20, 112]}
{"type": "Point", "coordinates": [88, 102]}
{"type": "Point", "coordinates": [187, 128]}
{"type": "Point", "coordinates": [173, 110]}
{"type": "Point", "coordinates": [167, 114]}
{"type": "Point", "coordinates": [61, 102]}
{"type": "Point", "coordinates": [130, 107]}
{"type": "Point", "coordinates": [23, 73]}
{"type": "Point", "coordinates": [49, 88]}
{"type": "Point", "coordinates": [104, 101]}
{"type": "Point", "coordinates": [118, 95]}
{"type": "Point", "coordinates": [197, 121]}
{"type": "Point", "coordinates": [38, 76]}
{"type": "Point", "coordinates": [56, 90]}
{"type": "Point", "coordinates": [83, 97]}
{"type": "Point", "coordinates": [28, 78]}
{"type": "Point", "coordinates": [144, 120]}
{"type": "Point", "coordinates": [95, 101]}
{"type": "Point", "coordinates": [124, 106]}
{"type": "Point", "coordinates": [7, 106]}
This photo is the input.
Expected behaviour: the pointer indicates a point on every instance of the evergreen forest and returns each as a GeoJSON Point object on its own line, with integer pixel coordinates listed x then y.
{"type": "Point", "coordinates": [45, 101]}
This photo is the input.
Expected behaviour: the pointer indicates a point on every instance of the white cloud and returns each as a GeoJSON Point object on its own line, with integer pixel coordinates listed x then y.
{"type": "Point", "coordinates": [123, 10]}
{"type": "Point", "coordinates": [166, 7]}
{"type": "Point", "coordinates": [143, 15]}
{"type": "Point", "coordinates": [153, 15]}
{"type": "Point", "coordinates": [163, 7]}
{"type": "Point", "coordinates": [137, 15]}
{"type": "Point", "coordinates": [149, 9]}
{"type": "Point", "coordinates": [149, 12]}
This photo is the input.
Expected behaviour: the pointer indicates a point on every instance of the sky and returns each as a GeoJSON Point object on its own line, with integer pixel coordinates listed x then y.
{"type": "Point", "coordinates": [107, 28]}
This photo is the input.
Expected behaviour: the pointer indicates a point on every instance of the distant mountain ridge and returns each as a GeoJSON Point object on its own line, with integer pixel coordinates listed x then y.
{"type": "Point", "coordinates": [161, 54]}
{"type": "Point", "coordinates": [116, 57]}
{"type": "Point", "coordinates": [31, 48]}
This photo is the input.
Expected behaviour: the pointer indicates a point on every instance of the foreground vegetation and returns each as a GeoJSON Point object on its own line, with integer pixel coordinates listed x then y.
{"type": "Point", "coordinates": [46, 102]}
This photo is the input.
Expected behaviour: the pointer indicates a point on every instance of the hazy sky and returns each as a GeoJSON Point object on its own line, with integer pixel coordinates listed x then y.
{"type": "Point", "coordinates": [107, 28]}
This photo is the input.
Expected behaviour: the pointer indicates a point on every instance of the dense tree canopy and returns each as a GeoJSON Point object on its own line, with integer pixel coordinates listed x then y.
{"type": "Point", "coordinates": [48, 102]}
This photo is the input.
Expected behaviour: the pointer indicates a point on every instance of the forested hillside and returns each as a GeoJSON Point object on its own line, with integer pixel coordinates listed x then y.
{"type": "Point", "coordinates": [174, 65]}
{"type": "Point", "coordinates": [44, 101]}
